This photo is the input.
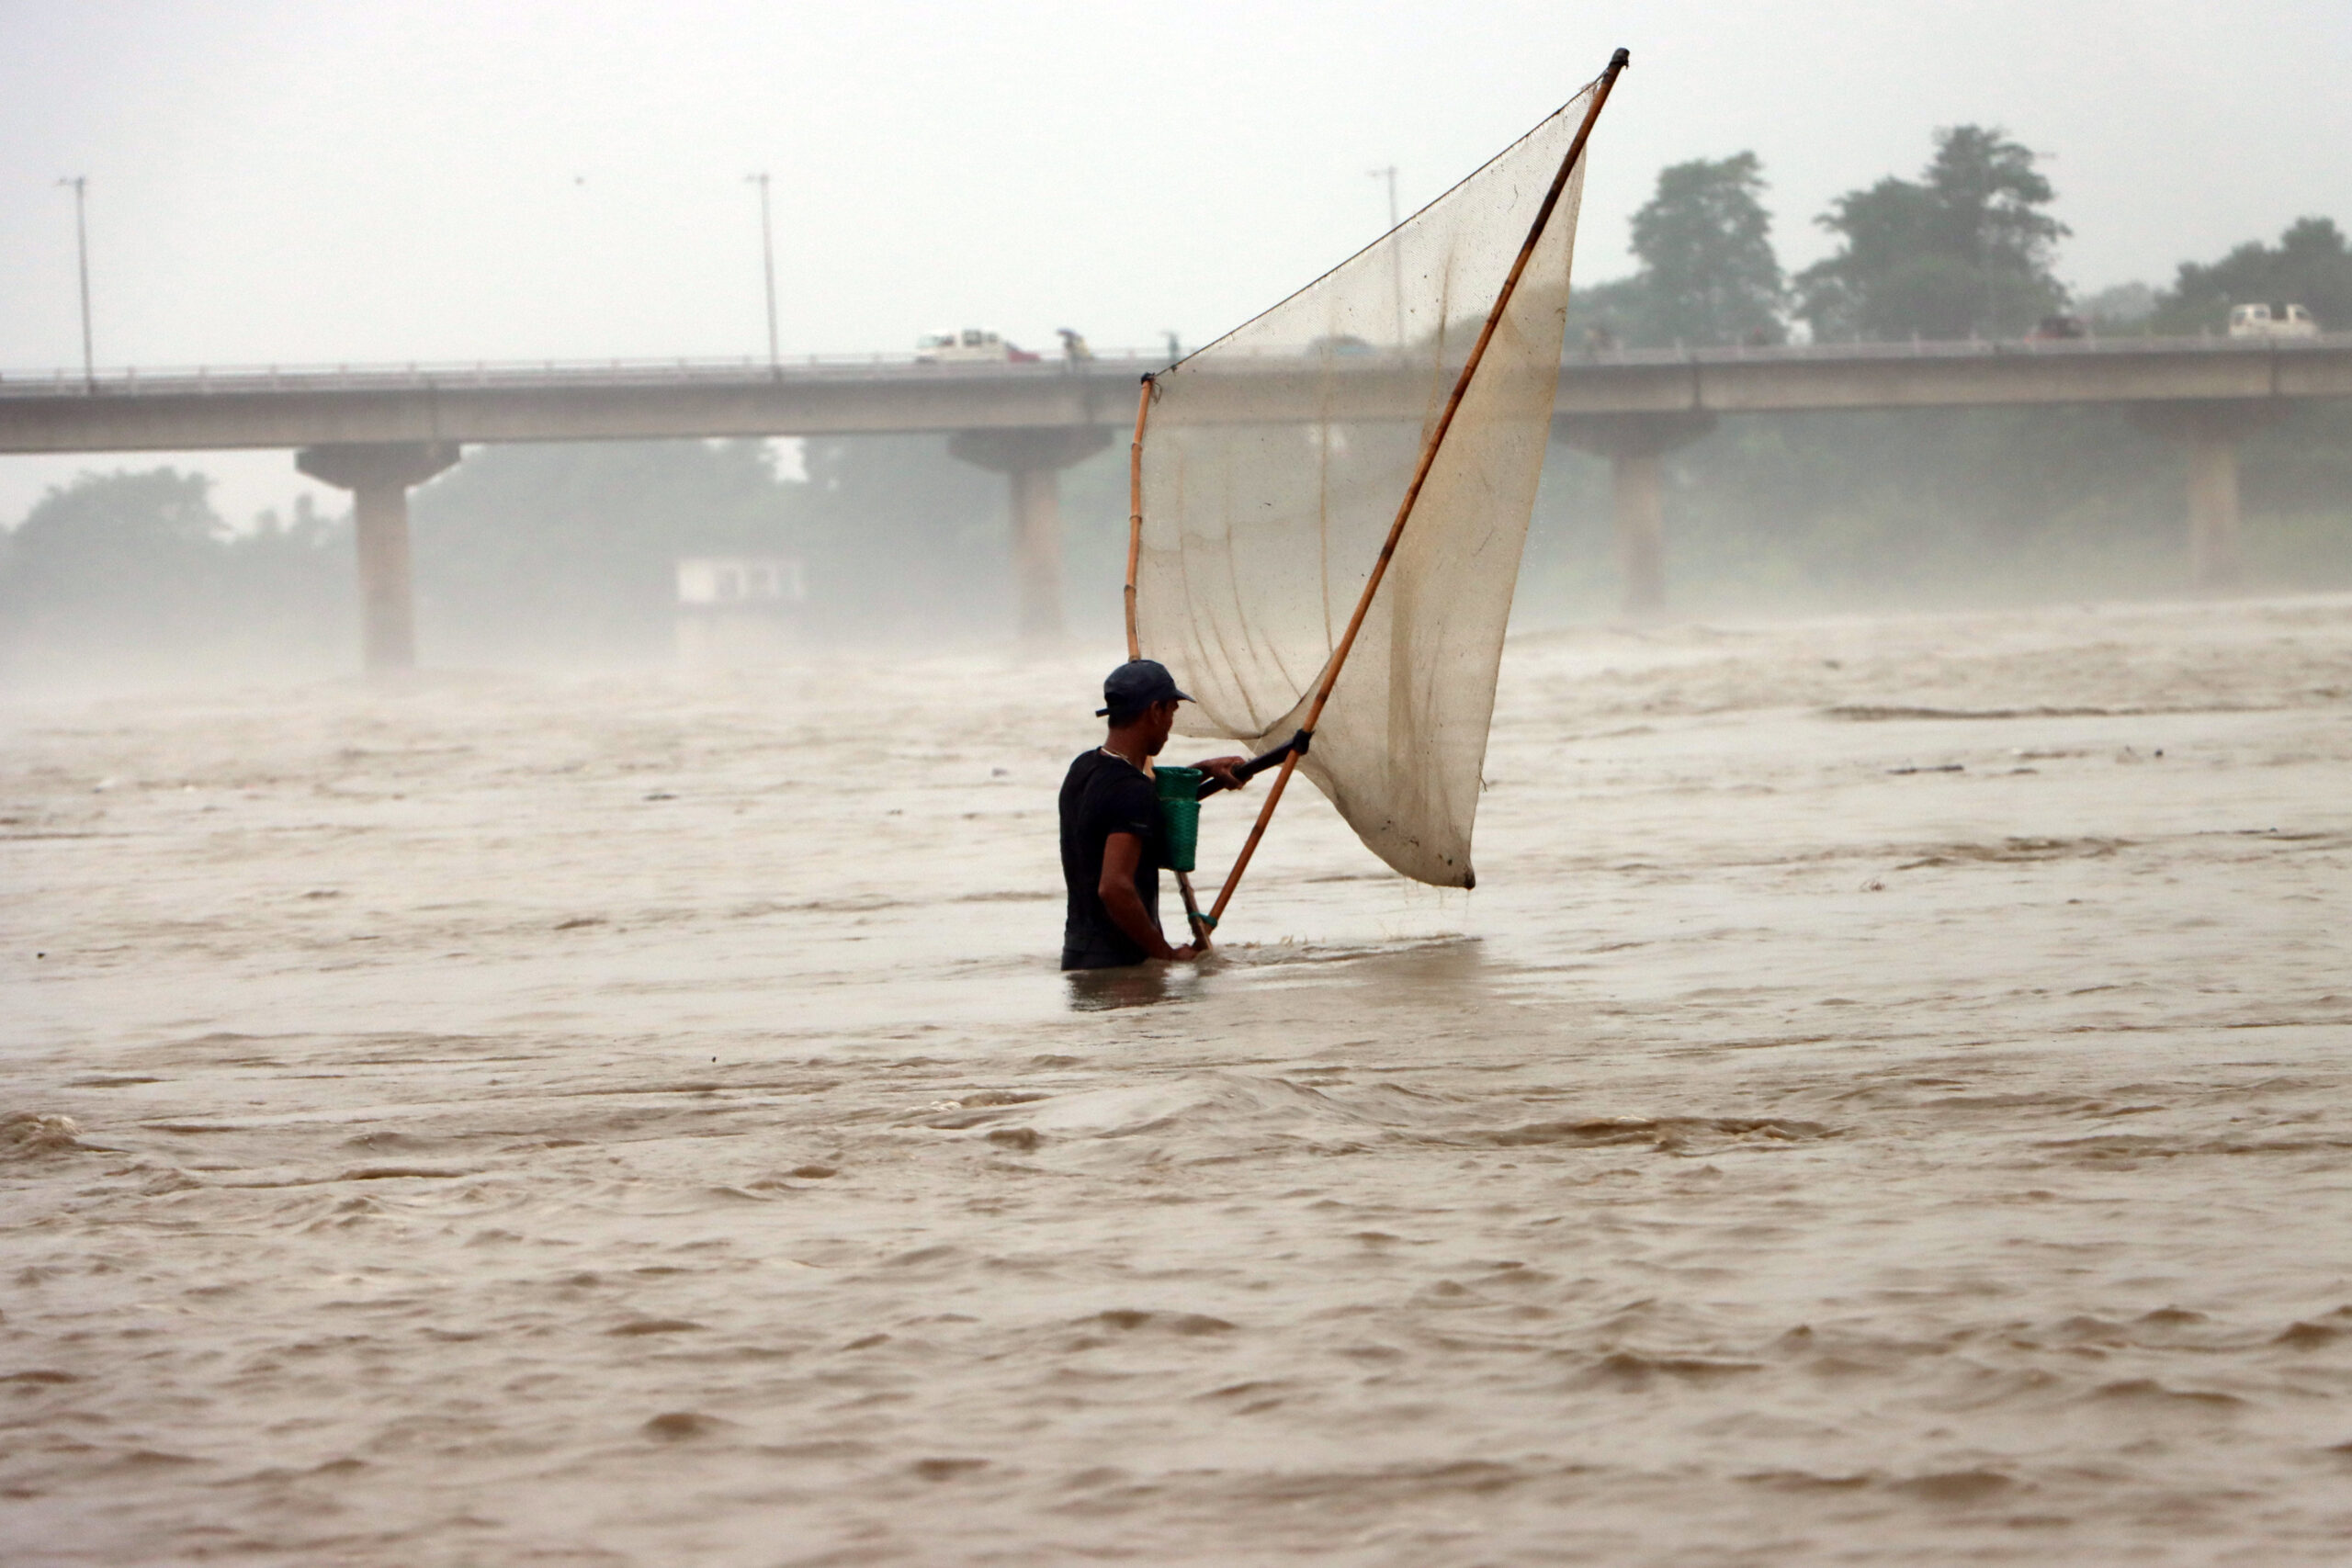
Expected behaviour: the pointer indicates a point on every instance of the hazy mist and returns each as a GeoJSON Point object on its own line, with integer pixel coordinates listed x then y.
{"type": "Point", "coordinates": [273, 183]}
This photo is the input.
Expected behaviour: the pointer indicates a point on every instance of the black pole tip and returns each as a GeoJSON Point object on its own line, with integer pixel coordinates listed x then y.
{"type": "Point", "coordinates": [1621, 59]}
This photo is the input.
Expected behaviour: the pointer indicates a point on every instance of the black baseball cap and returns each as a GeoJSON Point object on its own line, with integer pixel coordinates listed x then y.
{"type": "Point", "coordinates": [1139, 684]}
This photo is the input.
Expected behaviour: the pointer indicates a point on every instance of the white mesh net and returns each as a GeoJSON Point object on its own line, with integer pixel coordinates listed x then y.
{"type": "Point", "coordinates": [1273, 463]}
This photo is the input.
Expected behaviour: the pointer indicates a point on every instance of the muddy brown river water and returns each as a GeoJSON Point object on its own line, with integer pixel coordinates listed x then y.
{"type": "Point", "coordinates": [1885, 1103]}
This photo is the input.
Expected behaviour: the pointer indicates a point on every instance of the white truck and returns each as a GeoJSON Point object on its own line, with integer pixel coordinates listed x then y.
{"type": "Point", "coordinates": [2271, 321]}
{"type": "Point", "coordinates": [970, 346]}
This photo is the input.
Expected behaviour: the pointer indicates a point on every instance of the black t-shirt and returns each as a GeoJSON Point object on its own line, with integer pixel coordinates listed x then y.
{"type": "Point", "coordinates": [1102, 795]}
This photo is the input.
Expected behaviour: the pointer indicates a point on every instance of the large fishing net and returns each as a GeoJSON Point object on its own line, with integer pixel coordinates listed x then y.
{"type": "Point", "coordinates": [1274, 462]}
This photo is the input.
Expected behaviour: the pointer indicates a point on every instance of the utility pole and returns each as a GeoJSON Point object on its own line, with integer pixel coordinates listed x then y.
{"type": "Point", "coordinates": [767, 260]}
{"type": "Point", "coordinates": [1397, 254]}
{"type": "Point", "coordinates": [1388, 174]}
{"type": "Point", "coordinates": [82, 248]}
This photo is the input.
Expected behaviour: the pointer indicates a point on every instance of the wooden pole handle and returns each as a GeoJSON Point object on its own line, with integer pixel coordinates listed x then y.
{"type": "Point", "coordinates": [1193, 916]}
{"type": "Point", "coordinates": [1134, 514]}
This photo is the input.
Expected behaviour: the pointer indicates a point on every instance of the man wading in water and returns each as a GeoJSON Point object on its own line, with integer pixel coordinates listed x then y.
{"type": "Point", "coordinates": [1111, 834]}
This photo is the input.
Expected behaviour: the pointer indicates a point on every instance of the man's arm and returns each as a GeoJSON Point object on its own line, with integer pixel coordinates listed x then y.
{"type": "Point", "coordinates": [1121, 853]}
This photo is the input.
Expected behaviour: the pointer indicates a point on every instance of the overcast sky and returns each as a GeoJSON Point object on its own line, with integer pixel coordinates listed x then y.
{"type": "Point", "coordinates": [386, 180]}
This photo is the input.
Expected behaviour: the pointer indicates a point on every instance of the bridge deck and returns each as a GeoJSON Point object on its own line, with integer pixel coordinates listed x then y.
{"type": "Point", "coordinates": [271, 407]}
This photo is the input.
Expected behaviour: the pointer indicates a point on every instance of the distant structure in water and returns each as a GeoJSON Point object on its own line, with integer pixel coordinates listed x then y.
{"type": "Point", "coordinates": [737, 610]}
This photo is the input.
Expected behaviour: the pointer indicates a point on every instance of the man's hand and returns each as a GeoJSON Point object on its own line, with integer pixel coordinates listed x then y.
{"type": "Point", "coordinates": [1221, 769]}
{"type": "Point", "coordinates": [1183, 954]}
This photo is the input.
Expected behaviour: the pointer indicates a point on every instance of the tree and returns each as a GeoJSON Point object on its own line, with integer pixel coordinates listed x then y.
{"type": "Point", "coordinates": [112, 556]}
{"type": "Point", "coordinates": [2311, 267]}
{"type": "Point", "coordinates": [2119, 308]}
{"type": "Point", "coordinates": [1603, 315]}
{"type": "Point", "coordinates": [133, 574]}
{"type": "Point", "coordinates": [571, 549]}
{"type": "Point", "coordinates": [1708, 274]}
{"type": "Point", "coordinates": [105, 529]}
{"type": "Point", "coordinates": [912, 544]}
{"type": "Point", "coordinates": [1706, 243]}
{"type": "Point", "coordinates": [1964, 250]}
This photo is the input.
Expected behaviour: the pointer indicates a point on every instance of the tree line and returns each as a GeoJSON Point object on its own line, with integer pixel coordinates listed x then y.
{"type": "Point", "coordinates": [1968, 248]}
{"type": "Point", "coordinates": [1951, 506]}
{"type": "Point", "coordinates": [556, 553]}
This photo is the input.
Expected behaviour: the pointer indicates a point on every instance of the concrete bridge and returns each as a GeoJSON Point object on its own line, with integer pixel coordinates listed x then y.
{"type": "Point", "coordinates": [377, 430]}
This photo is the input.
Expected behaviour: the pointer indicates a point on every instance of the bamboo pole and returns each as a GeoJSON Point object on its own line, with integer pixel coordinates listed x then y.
{"type": "Point", "coordinates": [1193, 917]}
{"type": "Point", "coordinates": [1617, 62]}
{"type": "Point", "coordinates": [1134, 514]}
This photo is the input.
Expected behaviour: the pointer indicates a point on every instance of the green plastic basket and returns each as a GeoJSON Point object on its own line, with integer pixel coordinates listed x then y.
{"type": "Point", "coordinates": [1179, 814]}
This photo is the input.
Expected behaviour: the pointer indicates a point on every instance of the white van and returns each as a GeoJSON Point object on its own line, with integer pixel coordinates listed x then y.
{"type": "Point", "coordinates": [2271, 321]}
{"type": "Point", "coordinates": [970, 346]}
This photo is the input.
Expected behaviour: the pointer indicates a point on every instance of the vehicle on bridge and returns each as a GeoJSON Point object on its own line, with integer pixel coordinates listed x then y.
{"type": "Point", "coordinates": [970, 346]}
{"type": "Point", "coordinates": [2271, 321]}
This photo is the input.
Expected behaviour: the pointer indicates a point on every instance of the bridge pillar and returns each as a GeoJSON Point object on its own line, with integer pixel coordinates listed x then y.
{"type": "Point", "coordinates": [2210, 430]}
{"type": "Point", "coordinates": [1635, 444]}
{"type": "Point", "coordinates": [379, 476]}
{"type": "Point", "coordinates": [1032, 460]}
{"type": "Point", "coordinates": [2215, 559]}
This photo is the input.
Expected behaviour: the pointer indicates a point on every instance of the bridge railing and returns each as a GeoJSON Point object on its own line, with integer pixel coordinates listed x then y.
{"type": "Point", "coordinates": [181, 380]}
{"type": "Point", "coordinates": [312, 378]}
{"type": "Point", "coordinates": [1955, 348]}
